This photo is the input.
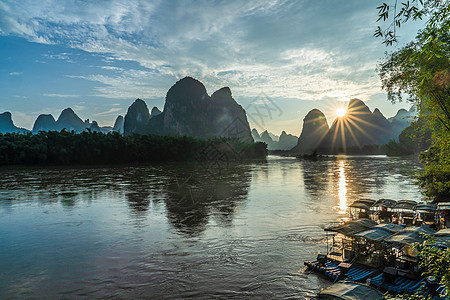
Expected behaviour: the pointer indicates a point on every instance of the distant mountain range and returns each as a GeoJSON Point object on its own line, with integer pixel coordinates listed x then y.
{"type": "Point", "coordinates": [283, 142]}
{"type": "Point", "coordinates": [190, 111]}
{"type": "Point", "coordinates": [357, 128]}
{"type": "Point", "coordinates": [67, 120]}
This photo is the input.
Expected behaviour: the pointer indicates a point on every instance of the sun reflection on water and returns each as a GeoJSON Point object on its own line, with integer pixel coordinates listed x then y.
{"type": "Point", "coordinates": [342, 189]}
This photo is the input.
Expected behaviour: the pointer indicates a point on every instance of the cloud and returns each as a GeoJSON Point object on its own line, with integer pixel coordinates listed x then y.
{"type": "Point", "coordinates": [306, 50]}
{"type": "Point", "coordinates": [15, 73]}
{"type": "Point", "coordinates": [112, 111]}
{"type": "Point", "coordinates": [59, 56]}
{"type": "Point", "coordinates": [61, 95]}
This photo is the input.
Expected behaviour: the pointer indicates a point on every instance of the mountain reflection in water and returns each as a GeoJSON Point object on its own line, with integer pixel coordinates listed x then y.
{"type": "Point", "coordinates": [174, 230]}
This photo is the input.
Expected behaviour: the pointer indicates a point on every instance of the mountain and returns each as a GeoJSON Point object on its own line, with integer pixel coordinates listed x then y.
{"type": "Point", "coordinates": [94, 127]}
{"type": "Point", "coordinates": [286, 141]}
{"type": "Point", "coordinates": [315, 127]}
{"type": "Point", "coordinates": [70, 121]}
{"type": "Point", "coordinates": [7, 124]}
{"type": "Point", "coordinates": [155, 111]}
{"type": "Point", "coordinates": [137, 118]}
{"type": "Point", "coordinates": [401, 120]}
{"type": "Point", "coordinates": [190, 111]}
{"type": "Point", "coordinates": [283, 142]}
{"type": "Point", "coordinates": [265, 137]}
{"type": "Point", "coordinates": [274, 137]}
{"type": "Point", "coordinates": [118, 125]}
{"type": "Point", "coordinates": [403, 115]}
{"type": "Point", "coordinates": [255, 135]}
{"type": "Point", "coordinates": [106, 129]}
{"type": "Point", "coordinates": [383, 129]}
{"type": "Point", "coordinates": [358, 127]}
{"type": "Point", "coordinates": [44, 123]}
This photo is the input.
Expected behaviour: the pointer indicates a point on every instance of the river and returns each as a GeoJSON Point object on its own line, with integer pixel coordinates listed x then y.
{"type": "Point", "coordinates": [173, 231]}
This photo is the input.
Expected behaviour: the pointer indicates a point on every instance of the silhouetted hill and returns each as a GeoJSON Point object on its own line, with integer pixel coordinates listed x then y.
{"type": "Point", "coordinates": [315, 127]}
{"type": "Point", "coordinates": [7, 124]}
{"type": "Point", "coordinates": [382, 132]}
{"type": "Point", "coordinates": [255, 135]}
{"type": "Point", "coordinates": [286, 141]}
{"type": "Point", "coordinates": [137, 118]}
{"type": "Point", "coordinates": [274, 137]}
{"type": "Point", "coordinates": [118, 125]}
{"type": "Point", "coordinates": [69, 120]}
{"type": "Point", "coordinates": [155, 111]}
{"type": "Point", "coordinates": [401, 120]}
{"type": "Point", "coordinates": [265, 137]}
{"type": "Point", "coordinates": [94, 127]}
{"type": "Point", "coordinates": [358, 127]}
{"type": "Point", "coordinates": [44, 123]}
{"type": "Point", "coordinates": [190, 111]}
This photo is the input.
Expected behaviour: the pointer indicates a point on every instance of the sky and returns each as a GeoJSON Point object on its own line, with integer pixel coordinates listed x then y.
{"type": "Point", "coordinates": [97, 57]}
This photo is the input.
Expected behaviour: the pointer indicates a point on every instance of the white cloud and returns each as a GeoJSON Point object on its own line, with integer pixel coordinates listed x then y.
{"type": "Point", "coordinates": [15, 73]}
{"type": "Point", "coordinates": [112, 111]}
{"type": "Point", "coordinates": [59, 56]}
{"type": "Point", "coordinates": [61, 95]}
{"type": "Point", "coordinates": [309, 50]}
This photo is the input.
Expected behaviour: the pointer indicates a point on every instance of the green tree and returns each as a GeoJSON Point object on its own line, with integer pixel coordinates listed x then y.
{"type": "Point", "coordinates": [420, 73]}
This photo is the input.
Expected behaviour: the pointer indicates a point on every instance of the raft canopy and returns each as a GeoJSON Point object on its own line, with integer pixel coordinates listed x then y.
{"type": "Point", "coordinates": [444, 206]}
{"type": "Point", "coordinates": [369, 202]}
{"type": "Point", "coordinates": [374, 234]}
{"type": "Point", "coordinates": [359, 205]}
{"type": "Point", "coordinates": [442, 238]}
{"type": "Point", "coordinates": [410, 235]}
{"type": "Point", "coordinates": [394, 228]}
{"type": "Point", "coordinates": [406, 238]}
{"type": "Point", "coordinates": [405, 204]}
{"type": "Point", "coordinates": [388, 203]}
{"type": "Point", "coordinates": [420, 230]}
{"type": "Point", "coordinates": [443, 233]}
{"type": "Point", "coordinates": [346, 290]}
{"type": "Point", "coordinates": [353, 227]}
{"type": "Point", "coordinates": [426, 207]}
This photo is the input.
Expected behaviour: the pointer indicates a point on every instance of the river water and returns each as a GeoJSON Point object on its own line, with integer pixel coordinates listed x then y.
{"type": "Point", "coordinates": [178, 230]}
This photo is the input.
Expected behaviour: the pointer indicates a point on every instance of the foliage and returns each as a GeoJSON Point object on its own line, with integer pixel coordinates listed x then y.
{"type": "Point", "coordinates": [421, 70]}
{"type": "Point", "coordinates": [425, 80]}
{"type": "Point", "coordinates": [438, 23]}
{"type": "Point", "coordinates": [67, 148]}
{"type": "Point", "coordinates": [435, 262]}
{"type": "Point", "coordinates": [435, 181]}
{"type": "Point", "coordinates": [412, 140]}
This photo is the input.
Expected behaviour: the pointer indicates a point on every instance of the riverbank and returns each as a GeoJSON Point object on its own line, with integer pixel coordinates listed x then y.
{"type": "Point", "coordinates": [95, 148]}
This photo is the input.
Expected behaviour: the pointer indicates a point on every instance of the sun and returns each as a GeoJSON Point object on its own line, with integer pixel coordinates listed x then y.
{"type": "Point", "coordinates": [340, 112]}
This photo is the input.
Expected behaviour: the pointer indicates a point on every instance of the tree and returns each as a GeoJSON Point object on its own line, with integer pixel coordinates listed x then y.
{"type": "Point", "coordinates": [420, 73]}
{"type": "Point", "coordinates": [422, 68]}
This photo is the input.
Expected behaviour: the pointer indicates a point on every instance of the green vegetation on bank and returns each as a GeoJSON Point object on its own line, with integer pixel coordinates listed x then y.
{"type": "Point", "coordinates": [91, 148]}
{"type": "Point", "coordinates": [421, 71]}
{"type": "Point", "coordinates": [412, 140]}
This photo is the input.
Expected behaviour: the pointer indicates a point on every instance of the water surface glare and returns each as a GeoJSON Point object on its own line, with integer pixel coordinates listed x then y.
{"type": "Point", "coordinates": [176, 231]}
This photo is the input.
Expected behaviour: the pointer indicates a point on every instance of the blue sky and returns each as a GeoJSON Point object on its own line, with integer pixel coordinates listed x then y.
{"type": "Point", "coordinates": [98, 56]}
